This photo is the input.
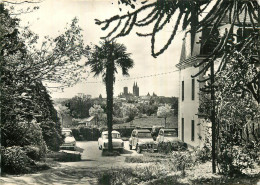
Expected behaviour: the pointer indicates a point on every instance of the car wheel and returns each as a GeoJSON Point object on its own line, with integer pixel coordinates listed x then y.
{"type": "Point", "coordinates": [130, 146]}
{"type": "Point", "coordinates": [138, 149]}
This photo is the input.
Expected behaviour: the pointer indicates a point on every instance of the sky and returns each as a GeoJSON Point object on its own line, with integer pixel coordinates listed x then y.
{"type": "Point", "coordinates": [52, 17]}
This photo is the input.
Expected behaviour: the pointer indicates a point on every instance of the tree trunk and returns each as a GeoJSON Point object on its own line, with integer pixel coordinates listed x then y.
{"type": "Point", "coordinates": [258, 87]}
{"type": "Point", "coordinates": [213, 124]}
{"type": "Point", "coordinates": [109, 90]}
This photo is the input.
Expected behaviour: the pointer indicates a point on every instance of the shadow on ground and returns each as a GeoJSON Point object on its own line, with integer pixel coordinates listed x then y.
{"type": "Point", "coordinates": [62, 176]}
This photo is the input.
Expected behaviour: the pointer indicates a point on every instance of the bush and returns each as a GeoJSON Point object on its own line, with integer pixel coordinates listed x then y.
{"type": "Point", "coordinates": [15, 160]}
{"type": "Point", "coordinates": [203, 155]}
{"type": "Point", "coordinates": [168, 147]}
{"type": "Point", "coordinates": [83, 133]}
{"type": "Point", "coordinates": [33, 152]}
{"type": "Point", "coordinates": [51, 132]}
{"type": "Point", "coordinates": [182, 161]}
{"type": "Point", "coordinates": [233, 160]}
{"type": "Point", "coordinates": [131, 176]}
{"type": "Point", "coordinates": [125, 132]}
{"type": "Point", "coordinates": [116, 177]}
{"type": "Point", "coordinates": [142, 159]}
{"type": "Point", "coordinates": [23, 133]}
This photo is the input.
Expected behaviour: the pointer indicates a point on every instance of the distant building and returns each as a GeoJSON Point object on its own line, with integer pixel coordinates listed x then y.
{"type": "Point", "coordinates": [125, 90]}
{"type": "Point", "coordinates": [135, 89]}
{"type": "Point", "coordinates": [90, 121]}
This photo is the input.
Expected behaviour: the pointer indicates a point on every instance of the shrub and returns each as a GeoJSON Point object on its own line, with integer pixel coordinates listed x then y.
{"type": "Point", "coordinates": [203, 155]}
{"type": "Point", "coordinates": [131, 176]}
{"type": "Point", "coordinates": [15, 160]}
{"type": "Point", "coordinates": [168, 147]}
{"type": "Point", "coordinates": [86, 133]}
{"type": "Point", "coordinates": [234, 159]}
{"type": "Point", "coordinates": [51, 132]}
{"type": "Point", "coordinates": [116, 177]}
{"type": "Point", "coordinates": [125, 132]}
{"type": "Point", "coordinates": [142, 159]}
{"type": "Point", "coordinates": [182, 161]}
{"type": "Point", "coordinates": [23, 133]}
{"type": "Point", "coordinates": [33, 152]}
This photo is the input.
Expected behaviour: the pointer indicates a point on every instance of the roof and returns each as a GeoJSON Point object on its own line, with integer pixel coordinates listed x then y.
{"type": "Point", "coordinates": [65, 129]}
{"type": "Point", "coordinates": [90, 118]}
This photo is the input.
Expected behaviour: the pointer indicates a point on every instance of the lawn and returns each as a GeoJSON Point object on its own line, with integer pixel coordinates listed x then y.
{"type": "Point", "coordinates": [171, 122]}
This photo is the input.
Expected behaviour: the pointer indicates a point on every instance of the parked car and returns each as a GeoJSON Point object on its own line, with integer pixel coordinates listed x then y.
{"type": "Point", "coordinates": [141, 139]}
{"type": "Point", "coordinates": [69, 141]}
{"type": "Point", "coordinates": [155, 131]}
{"type": "Point", "coordinates": [170, 135]}
{"type": "Point", "coordinates": [117, 142]}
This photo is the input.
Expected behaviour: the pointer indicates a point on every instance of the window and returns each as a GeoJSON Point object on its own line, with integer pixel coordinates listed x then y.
{"type": "Point", "coordinates": [192, 89]}
{"type": "Point", "coordinates": [208, 45]}
{"type": "Point", "coordinates": [182, 129]}
{"type": "Point", "coordinates": [182, 89]}
{"type": "Point", "coordinates": [144, 135]}
{"type": "Point", "coordinates": [192, 130]}
{"type": "Point", "coordinates": [243, 34]}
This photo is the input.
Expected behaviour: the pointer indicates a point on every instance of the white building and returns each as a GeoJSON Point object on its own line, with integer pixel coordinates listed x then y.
{"type": "Point", "coordinates": [192, 129]}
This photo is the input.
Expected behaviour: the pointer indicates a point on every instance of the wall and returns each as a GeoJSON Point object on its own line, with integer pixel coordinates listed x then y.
{"type": "Point", "coordinates": [189, 108]}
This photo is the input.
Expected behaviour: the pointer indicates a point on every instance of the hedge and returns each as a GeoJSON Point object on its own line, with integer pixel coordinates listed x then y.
{"type": "Point", "coordinates": [86, 133]}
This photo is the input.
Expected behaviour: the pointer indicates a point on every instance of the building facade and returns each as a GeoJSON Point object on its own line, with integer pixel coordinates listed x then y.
{"type": "Point", "coordinates": [135, 89]}
{"type": "Point", "coordinates": [192, 129]}
{"type": "Point", "coordinates": [125, 90]}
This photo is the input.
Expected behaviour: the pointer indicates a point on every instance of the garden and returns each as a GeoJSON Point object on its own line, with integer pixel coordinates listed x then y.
{"type": "Point", "coordinates": [176, 167]}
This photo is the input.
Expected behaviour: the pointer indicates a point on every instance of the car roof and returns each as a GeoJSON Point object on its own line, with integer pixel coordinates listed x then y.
{"type": "Point", "coordinates": [66, 129]}
{"type": "Point", "coordinates": [169, 129]}
{"type": "Point", "coordinates": [114, 131]}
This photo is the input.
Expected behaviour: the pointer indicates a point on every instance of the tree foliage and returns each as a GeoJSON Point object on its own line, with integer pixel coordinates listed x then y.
{"type": "Point", "coordinates": [97, 112]}
{"type": "Point", "coordinates": [28, 118]}
{"type": "Point", "coordinates": [164, 112]}
{"type": "Point", "coordinates": [130, 111]}
{"type": "Point", "coordinates": [79, 106]}
{"type": "Point", "coordinates": [237, 117]}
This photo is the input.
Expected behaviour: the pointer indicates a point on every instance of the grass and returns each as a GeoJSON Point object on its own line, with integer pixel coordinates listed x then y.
{"type": "Point", "coordinates": [146, 158]}
{"type": "Point", "coordinates": [171, 122]}
{"type": "Point", "coordinates": [107, 153]}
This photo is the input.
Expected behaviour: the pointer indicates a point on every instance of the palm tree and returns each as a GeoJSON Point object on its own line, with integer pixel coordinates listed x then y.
{"type": "Point", "coordinates": [104, 60]}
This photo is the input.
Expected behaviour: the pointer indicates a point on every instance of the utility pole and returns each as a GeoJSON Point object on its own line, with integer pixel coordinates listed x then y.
{"type": "Point", "coordinates": [213, 124]}
{"type": "Point", "coordinates": [258, 64]}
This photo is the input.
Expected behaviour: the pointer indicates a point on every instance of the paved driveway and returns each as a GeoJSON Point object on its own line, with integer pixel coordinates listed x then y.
{"type": "Point", "coordinates": [81, 172]}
